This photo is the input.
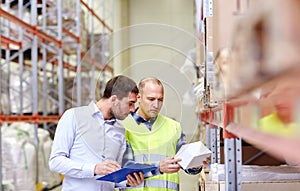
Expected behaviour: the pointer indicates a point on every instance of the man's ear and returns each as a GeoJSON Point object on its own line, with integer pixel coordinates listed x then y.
{"type": "Point", "coordinates": [138, 96]}
{"type": "Point", "coordinates": [113, 98]}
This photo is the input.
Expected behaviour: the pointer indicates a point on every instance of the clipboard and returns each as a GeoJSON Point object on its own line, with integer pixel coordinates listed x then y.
{"type": "Point", "coordinates": [120, 175]}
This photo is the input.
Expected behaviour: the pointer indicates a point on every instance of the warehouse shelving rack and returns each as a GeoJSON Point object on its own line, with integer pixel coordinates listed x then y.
{"type": "Point", "coordinates": [234, 128]}
{"type": "Point", "coordinates": [216, 118]}
{"type": "Point", "coordinates": [218, 114]}
{"type": "Point", "coordinates": [42, 49]}
{"type": "Point", "coordinates": [229, 114]}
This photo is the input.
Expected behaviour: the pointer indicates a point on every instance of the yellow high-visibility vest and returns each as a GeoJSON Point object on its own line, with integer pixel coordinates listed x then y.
{"type": "Point", "coordinates": [152, 147]}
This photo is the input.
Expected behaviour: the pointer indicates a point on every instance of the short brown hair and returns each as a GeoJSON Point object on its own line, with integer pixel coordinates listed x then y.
{"type": "Point", "coordinates": [120, 86]}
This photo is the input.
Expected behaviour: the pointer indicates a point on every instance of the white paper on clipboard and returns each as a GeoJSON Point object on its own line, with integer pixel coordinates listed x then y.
{"type": "Point", "coordinates": [192, 155]}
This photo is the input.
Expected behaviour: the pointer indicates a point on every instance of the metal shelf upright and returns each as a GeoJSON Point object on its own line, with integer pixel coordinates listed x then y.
{"type": "Point", "coordinates": [215, 115]}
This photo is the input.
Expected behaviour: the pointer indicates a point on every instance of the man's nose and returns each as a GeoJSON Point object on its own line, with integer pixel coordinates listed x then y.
{"type": "Point", "coordinates": [131, 108]}
{"type": "Point", "coordinates": [155, 103]}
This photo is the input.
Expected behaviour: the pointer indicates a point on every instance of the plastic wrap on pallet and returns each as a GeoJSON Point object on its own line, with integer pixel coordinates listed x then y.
{"type": "Point", "coordinates": [69, 6]}
{"type": "Point", "coordinates": [47, 177]}
{"type": "Point", "coordinates": [101, 44]}
{"type": "Point", "coordinates": [101, 47]}
{"type": "Point", "coordinates": [71, 91]}
{"type": "Point", "coordinates": [13, 28]}
{"type": "Point", "coordinates": [68, 12]}
{"type": "Point", "coordinates": [14, 95]}
{"type": "Point", "coordinates": [14, 136]}
{"type": "Point", "coordinates": [4, 96]}
{"type": "Point", "coordinates": [70, 45]}
{"type": "Point", "coordinates": [18, 159]}
{"type": "Point", "coordinates": [69, 18]}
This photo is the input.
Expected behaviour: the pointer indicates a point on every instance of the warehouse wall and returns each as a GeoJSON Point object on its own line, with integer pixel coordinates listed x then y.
{"type": "Point", "coordinates": [179, 16]}
{"type": "Point", "coordinates": [175, 22]}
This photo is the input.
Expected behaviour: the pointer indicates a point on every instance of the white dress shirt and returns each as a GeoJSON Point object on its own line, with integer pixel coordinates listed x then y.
{"type": "Point", "coordinates": [71, 156]}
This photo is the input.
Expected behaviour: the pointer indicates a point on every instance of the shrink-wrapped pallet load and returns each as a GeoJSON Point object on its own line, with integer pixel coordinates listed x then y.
{"type": "Point", "coordinates": [48, 178]}
{"type": "Point", "coordinates": [19, 158]}
{"type": "Point", "coordinates": [4, 95]}
{"type": "Point", "coordinates": [15, 94]}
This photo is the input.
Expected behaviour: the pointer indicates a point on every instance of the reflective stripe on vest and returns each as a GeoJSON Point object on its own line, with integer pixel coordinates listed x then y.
{"type": "Point", "coordinates": [149, 157]}
{"type": "Point", "coordinates": [159, 184]}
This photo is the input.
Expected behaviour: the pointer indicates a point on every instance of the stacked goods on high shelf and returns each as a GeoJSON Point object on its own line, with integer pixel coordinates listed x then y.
{"type": "Point", "coordinates": [4, 96]}
{"type": "Point", "coordinates": [40, 52]}
{"type": "Point", "coordinates": [86, 90]}
{"type": "Point", "coordinates": [32, 79]}
{"type": "Point", "coordinates": [101, 45]}
{"type": "Point", "coordinates": [264, 45]}
{"type": "Point", "coordinates": [69, 25]}
{"type": "Point", "coordinates": [11, 96]}
{"type": "Point", "coordinates": [49, 74]}
{"type": "Point", "coordinates": [269, 68]}
{"type": "Point", "coordinates": [219, 85]}
{"type": "Point", "coordinates": [264, 102]}
{"type": "Point", "coordinates": [14, 96]}
{"type": "Point", "coordinates": [47, 22]}
{"type": "Point", "coordinates": [261, 96]}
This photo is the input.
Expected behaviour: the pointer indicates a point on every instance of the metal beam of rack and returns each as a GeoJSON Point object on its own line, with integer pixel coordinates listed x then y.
{"type": "Point", "coordinates": [30, 28]}
{"type": "Point", "coordinates": [36, 118]}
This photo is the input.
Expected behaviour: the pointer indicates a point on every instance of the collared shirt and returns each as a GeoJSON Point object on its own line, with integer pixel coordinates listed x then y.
{"type": "Point", "coordinates": [139, 119]}
{"type": "Point", "coordinates": [71, 157]}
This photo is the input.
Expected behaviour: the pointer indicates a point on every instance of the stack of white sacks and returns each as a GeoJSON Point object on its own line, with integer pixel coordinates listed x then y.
{"type": "Point", "coordinates": [19, 158]}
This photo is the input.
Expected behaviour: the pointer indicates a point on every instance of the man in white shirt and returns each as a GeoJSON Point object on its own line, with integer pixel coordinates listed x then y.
{"type": "Point", "coordinates": [90, 143]}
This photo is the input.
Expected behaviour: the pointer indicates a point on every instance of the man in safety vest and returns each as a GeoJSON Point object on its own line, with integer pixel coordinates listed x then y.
{"type": "Point", "coordinates": [154, 139]}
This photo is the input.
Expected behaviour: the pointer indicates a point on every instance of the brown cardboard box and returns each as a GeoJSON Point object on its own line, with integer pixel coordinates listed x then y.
{"type": "Point", "coordinates": [249, 151]}
{"type": "Point", "coordinates": [256, 185]}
